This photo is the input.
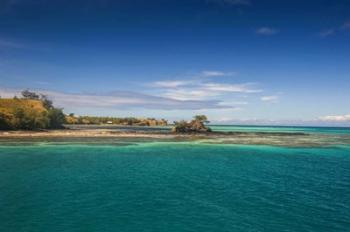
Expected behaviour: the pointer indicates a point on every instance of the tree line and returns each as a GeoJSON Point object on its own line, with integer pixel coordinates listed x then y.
{"type": "Point", "coordinates": [94, 120]}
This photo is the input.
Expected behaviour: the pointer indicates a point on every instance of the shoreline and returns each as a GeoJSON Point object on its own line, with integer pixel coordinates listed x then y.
{"type": "Point", "coordinates": [134, 133]}
{"type": "Point", "coordinates": [102, 136]}
{"type": "Point", "coordinates": [78, 133]}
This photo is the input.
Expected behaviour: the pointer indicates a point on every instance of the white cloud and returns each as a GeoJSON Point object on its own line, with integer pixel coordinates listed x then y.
{"type": "Point", "coordinates": [193, 81]}
{"type": "Point", "coordinates": [171, 84]}
{"type": "Point", "coordinates": [267, 31]}
{"type": "Point", "coordinates": [336, 118]}
{"type": "Point", "coordinates": [233, 103]}
{"type": "Point", "coordinates": [233, 88]}
{"type": "Point", "coordinates": [119, 100]}
{"type": "Point", "coordinates": [197, 88]}
{"type": "Point", "coordinates": [272, 98]}
{"type": "Point", "coordinates": [213, 73]}
{"type": "Point", "coordinates": [202, 90]}
{"type": "Point", "coordinates": [188, 94]}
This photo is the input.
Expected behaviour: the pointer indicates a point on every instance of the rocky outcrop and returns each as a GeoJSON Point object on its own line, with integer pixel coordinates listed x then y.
{"type": "Point", "coordinates": [194, 126]}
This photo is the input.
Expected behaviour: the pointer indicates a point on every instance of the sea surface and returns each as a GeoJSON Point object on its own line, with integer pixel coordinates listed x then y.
{"type": "Point", "coordinates": [148, 185]}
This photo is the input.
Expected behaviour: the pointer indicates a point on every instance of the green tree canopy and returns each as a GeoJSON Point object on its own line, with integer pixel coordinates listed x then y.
{"type": "Point", "coordinates": [201, 118]}
{"type": "Point", "coordinates": [56, 118]}
{"type": "Point", "coordinates": [30, 95]}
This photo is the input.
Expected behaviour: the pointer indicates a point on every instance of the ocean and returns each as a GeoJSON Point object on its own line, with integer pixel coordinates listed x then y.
{"type": "Point", "coordinates": [149, 185]}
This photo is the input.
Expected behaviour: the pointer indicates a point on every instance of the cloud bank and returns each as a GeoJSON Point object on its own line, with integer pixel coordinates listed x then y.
{"type": "Point", "coordinates": [336, 118]}
{"type": "Point", "coordinates": [121, 100]}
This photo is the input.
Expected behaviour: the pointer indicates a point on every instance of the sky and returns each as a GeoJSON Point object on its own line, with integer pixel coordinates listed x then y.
{"type": "Point", "coordinates": [237, 61]}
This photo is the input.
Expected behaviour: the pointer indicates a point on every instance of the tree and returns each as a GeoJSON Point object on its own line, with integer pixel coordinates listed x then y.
{"type": "Point", "coordinates": [29, 119]}
{"type": "Point", "coordinates": [30, 95]}
{"type": "Point", "coordinates": [4, 124]}
{"type": "Point", "coordinates": [201, 118]}
{"type": "Point", "coordinates": [46, 101]}
{"type": "Point", "coordinates": [56, 118]}
{"type": "Point", "coordinates": [180, 127]}
{"type": "Point", "coordinates": [194, 126]}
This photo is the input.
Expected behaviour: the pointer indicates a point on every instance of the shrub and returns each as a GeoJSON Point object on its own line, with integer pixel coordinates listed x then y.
{"type": "Point", "coordinates": [56, 118]}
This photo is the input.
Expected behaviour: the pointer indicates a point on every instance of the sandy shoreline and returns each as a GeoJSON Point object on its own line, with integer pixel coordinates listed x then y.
{"type": "Point", "coordinates": [87, 133]}
{"type": "Point", "coordinates": [133, 133]}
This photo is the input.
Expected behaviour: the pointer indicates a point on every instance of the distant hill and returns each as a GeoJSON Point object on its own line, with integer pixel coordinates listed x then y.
{"type": "Point", "coordinates": [9, 106]}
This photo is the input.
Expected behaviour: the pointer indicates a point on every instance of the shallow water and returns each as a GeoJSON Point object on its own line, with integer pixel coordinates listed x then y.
{"type": "Point", "coordinates": [283, 129]}
{"type": "Point", "coordinates": [149, 185]}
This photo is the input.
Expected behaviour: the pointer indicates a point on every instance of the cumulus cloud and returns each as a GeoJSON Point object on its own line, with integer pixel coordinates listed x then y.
{"type": "Point", "coordinates": [266, 31]}
{"type": "Point", "coordinates": [335, 118]}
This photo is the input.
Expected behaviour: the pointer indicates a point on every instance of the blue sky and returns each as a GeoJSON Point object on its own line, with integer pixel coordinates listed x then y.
{"type": "Point", "coordinates": [238, 61]}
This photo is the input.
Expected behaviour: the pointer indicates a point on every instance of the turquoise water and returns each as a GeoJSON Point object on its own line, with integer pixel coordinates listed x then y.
{"type": "Point", "coordinates": [136, 185]}
{"type": "Point", "coordinates": [228, 128]}
{"type": "Point", "coordinates": [174, 187]}
{"type": "Point", "coordinates": [290, 129]}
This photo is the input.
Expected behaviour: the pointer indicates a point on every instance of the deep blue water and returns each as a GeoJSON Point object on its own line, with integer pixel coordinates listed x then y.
{"type": "Point", "coordinates": [174, 187]}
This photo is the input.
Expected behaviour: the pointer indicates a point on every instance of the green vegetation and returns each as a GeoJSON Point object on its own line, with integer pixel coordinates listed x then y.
{"type": "Point", "coordinates": [197, 125]}
{"type": "Point", "coordinates": [30, 112]}
{"type": "Point", "coordinates": [201, 118]}
{"type": "Point", "coordinates": [92, 120]}
{"type": "Point", "coordinates": [35, 111]}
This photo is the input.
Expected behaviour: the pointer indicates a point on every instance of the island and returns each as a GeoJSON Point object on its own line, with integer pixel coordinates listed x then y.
{"type": "Point", "coordinates": [34, 116]}
{"type": "Point", "coordinates": [33, 112]}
